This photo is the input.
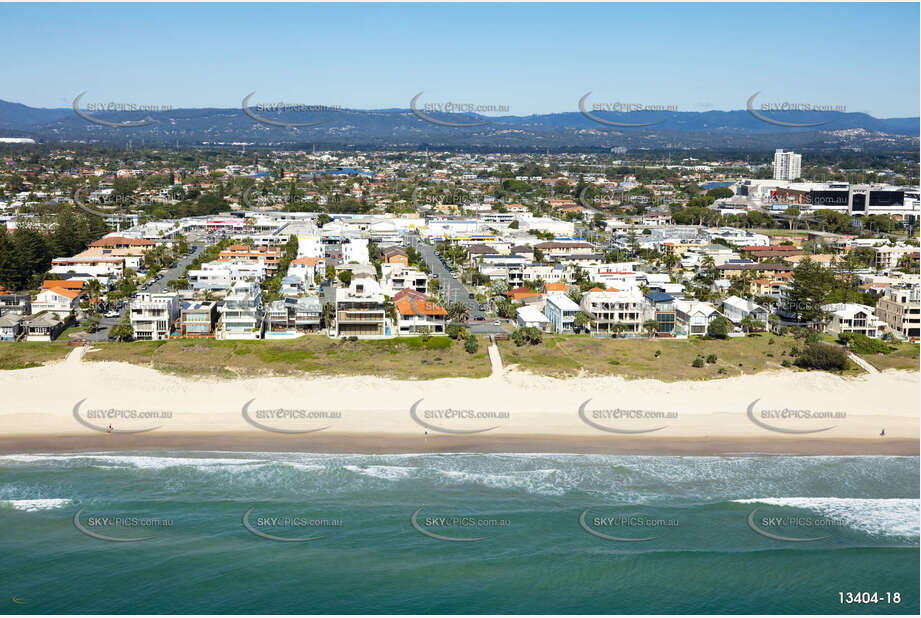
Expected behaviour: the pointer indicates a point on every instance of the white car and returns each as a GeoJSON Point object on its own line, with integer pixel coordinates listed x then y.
{"type": "Point", "coordinates": [111, 314]}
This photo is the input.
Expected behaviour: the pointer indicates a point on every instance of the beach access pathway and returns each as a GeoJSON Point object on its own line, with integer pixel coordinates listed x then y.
{"type": "Point", "coordinates": [862, 363]}
{"type": "Point", "coordinates": [495, 358]}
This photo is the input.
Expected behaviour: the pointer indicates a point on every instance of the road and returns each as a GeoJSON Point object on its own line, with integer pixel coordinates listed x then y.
{"type": "Point", "coordinates": [105, 324]}
{"type": "Point", "coordinates": [452, 290]}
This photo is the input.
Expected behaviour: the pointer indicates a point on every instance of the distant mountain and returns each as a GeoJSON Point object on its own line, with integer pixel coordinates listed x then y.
{"type": "Point", "coordinates": [403, 128]}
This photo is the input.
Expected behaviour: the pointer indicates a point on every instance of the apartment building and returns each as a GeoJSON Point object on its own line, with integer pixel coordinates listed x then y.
{"type": "Point", "coordinates": [888, 258]}
{"type": "Point", "coordinates": [900, 308]}
{"type": "Point", "coordinates": [360, 310]}
{"type": "Point", "coordinates": [152, 315]}
{"type": "Point", "coordinates": [356, 250]}
{"type": "Point", "coordinates": [216, 276]}
{"type": "Point", "coordinates": [265, 256]}
{"type": "Point", "coordinates": [787, 165]}
{"type": "Point", "coordinates": [242, 316]}
{"type": "Point", "coordinates": [610, 308]}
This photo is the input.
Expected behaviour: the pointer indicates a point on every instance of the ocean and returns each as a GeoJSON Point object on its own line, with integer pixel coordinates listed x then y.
{"type": "Point", "coordinates": [219, 532]}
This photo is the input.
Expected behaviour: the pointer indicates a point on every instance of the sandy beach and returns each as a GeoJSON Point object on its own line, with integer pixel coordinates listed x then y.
{"type": "Point", "coordinates": [70, 405]}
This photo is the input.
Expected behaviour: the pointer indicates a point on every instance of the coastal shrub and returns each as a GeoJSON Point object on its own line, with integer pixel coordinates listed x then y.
{"type": "Point", "coordinates": [861, 344]}
{"type": "Point", "coordinates": [711, 358]}
{"type": "Point", "coordinates": [698, 362]}
{"type": "Point", "coordinates": [812, 337]}
{"type": "Point", "coordinates": [794, 351]}
{"type": "Point", "coordinates": [718, 328]}
{"type": "Point", "coordinates": [527, 335]}
{"type": "Point", "coordinates": [722, 371]}
{"type": "Point", "coordinates": [658, 353]}
{"type": "Point", "coordinates": [771, 341]}
{"type": "Point", "coordinates": [471, 345]}
{"type": "Point", "coordinates": [785, 363]}
{"type": "Point", "coordinates": [456, 331]}
{"type": "Point", "coordinates": [822, 356]}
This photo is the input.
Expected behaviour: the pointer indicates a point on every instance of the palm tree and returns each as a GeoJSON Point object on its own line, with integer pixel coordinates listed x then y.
{"type": "Point", "coordinates": [93, 289]}
{"type": "Point", "coordinates": [458, 312]}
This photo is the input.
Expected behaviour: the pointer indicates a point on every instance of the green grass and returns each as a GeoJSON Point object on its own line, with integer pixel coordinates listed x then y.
{"type": "Point", "coordinates": [904, 357]}
{"type": "Point", "coordinates": [568, 355]}
{"type": "Point", "coordinates": [26, 354]}
{"type": "Point", "coordinates": [405, 357]}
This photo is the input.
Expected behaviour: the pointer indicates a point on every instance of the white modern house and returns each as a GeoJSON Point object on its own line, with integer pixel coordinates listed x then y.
{"type": "Point", "coordinates": [609, 308]}
{"type": "Point", "coordinates": [243, 317]}
{"type": "Point", "coordinates": [152, 315]}
{"type": "Point", "coordinates": [853, 318]}
{"type": "Point", "coordinates": [560, 311]}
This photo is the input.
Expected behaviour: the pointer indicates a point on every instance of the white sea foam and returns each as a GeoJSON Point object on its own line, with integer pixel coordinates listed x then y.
{"type": "Point", "coordinates": [878, 516]}
{"type": "Point", "coordinates": [38, 504]}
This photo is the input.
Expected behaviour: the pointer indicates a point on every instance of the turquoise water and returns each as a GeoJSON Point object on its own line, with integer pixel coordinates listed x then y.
{"type": "Point", "coordinates": [536, 557]}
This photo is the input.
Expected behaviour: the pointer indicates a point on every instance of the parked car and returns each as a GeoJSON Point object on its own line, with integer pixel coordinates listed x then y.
{"type": "Point", "coordinates": [111, 314]}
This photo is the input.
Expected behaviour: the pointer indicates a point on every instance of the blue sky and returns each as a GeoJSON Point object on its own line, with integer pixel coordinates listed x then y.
{"type": "Point", "coordinates": [533, 58]}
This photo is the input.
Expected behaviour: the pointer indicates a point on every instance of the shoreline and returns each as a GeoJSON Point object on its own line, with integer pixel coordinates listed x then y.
{"type": "Point", "coordinates": [68, 405]}
{"type": "Point", "coordinates": [405, 444]}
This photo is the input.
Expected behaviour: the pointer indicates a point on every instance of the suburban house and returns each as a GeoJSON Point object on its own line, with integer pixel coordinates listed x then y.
{"type": "Point", "coordinates": [664, 312]}
{"type": "Point", "coordinates": [693, 316]}
{"type": "Point", "coordinates": [19, 304]}
{"type": "Point", "coordinates": [307, 268]}
{"type": "Point", "coordinates": [900, 308]}
{"type": "Point", "coordinates": [242, 317]}
{"type": "Point", "coordinates": [152, 315]}
{"type": "Point", "coordinates": [198, 319]}
{"type": "Point", "coordinates": [736, 309]}
{"type": "Point", "coordinates": [609, 308]}
{"type": "Point", "coordinates": [45, 326]}
{"type": "Point", "coordinates": [360, 310]}
{"type": "Point", "coordinates": [560, 311]}
{"type": "Point", "coordinates": [395, 255]}
{"type": "Point", "coordinates": [531, 317]}
{"type": "Point", "coordinates": [10, 326]}
{"type": "Point", "coordinates": [521, 294]}
{"type": "Point", "coordinates": [61, 301]}
{"type": "Point", "coordinates": [397, 276]}
{"type": "Point", "coordinates": [419, 315]}
{"type": "Point", "coordinates": [853, 318]}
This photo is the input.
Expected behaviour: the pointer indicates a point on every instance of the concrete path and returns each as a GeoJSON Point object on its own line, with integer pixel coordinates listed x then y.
{"type": "Point", "coordinates": [75, 356]}
{"type": "Point", "coordinates": [862, 363]}
{"type": "Point", "coordinates": [495, 359]}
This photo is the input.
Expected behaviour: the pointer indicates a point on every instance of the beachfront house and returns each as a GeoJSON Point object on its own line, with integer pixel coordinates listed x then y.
{"type": "Point", "coordinates": [853, 318]}
{"type": "Point", "coordinates": [560, 311]}
{"type": "Point", "coordinates": [616, 311]}
{"type": "Point", "coordinates": [531, 317]}
{"type": "Point", "coordinates": [693, 316]}
{"type": "Point", "coordinates": [10, 326]}
{"type": "Point", "coordinates": [663, 307]}
{"type": "Point", "coordinates": [44, 326]}
{"type": "Point", "coordinates": [198, 319]}
{"type": "Point", "coordinates": [360, 310]}
{"type": "Point", "coordinates": [152, 315]}
{"type": "Point", "coordinates": [736, 309]}
{"type": "Point", "coordinates": [417, 315]}
{"type": "Point", "coordinates": [292, 317]}
{"type": "Point", "coordinates": [242, 316]}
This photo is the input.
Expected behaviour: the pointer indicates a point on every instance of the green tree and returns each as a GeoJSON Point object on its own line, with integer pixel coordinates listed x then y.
{"type": "Point", "coordinates": [719, 328]}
